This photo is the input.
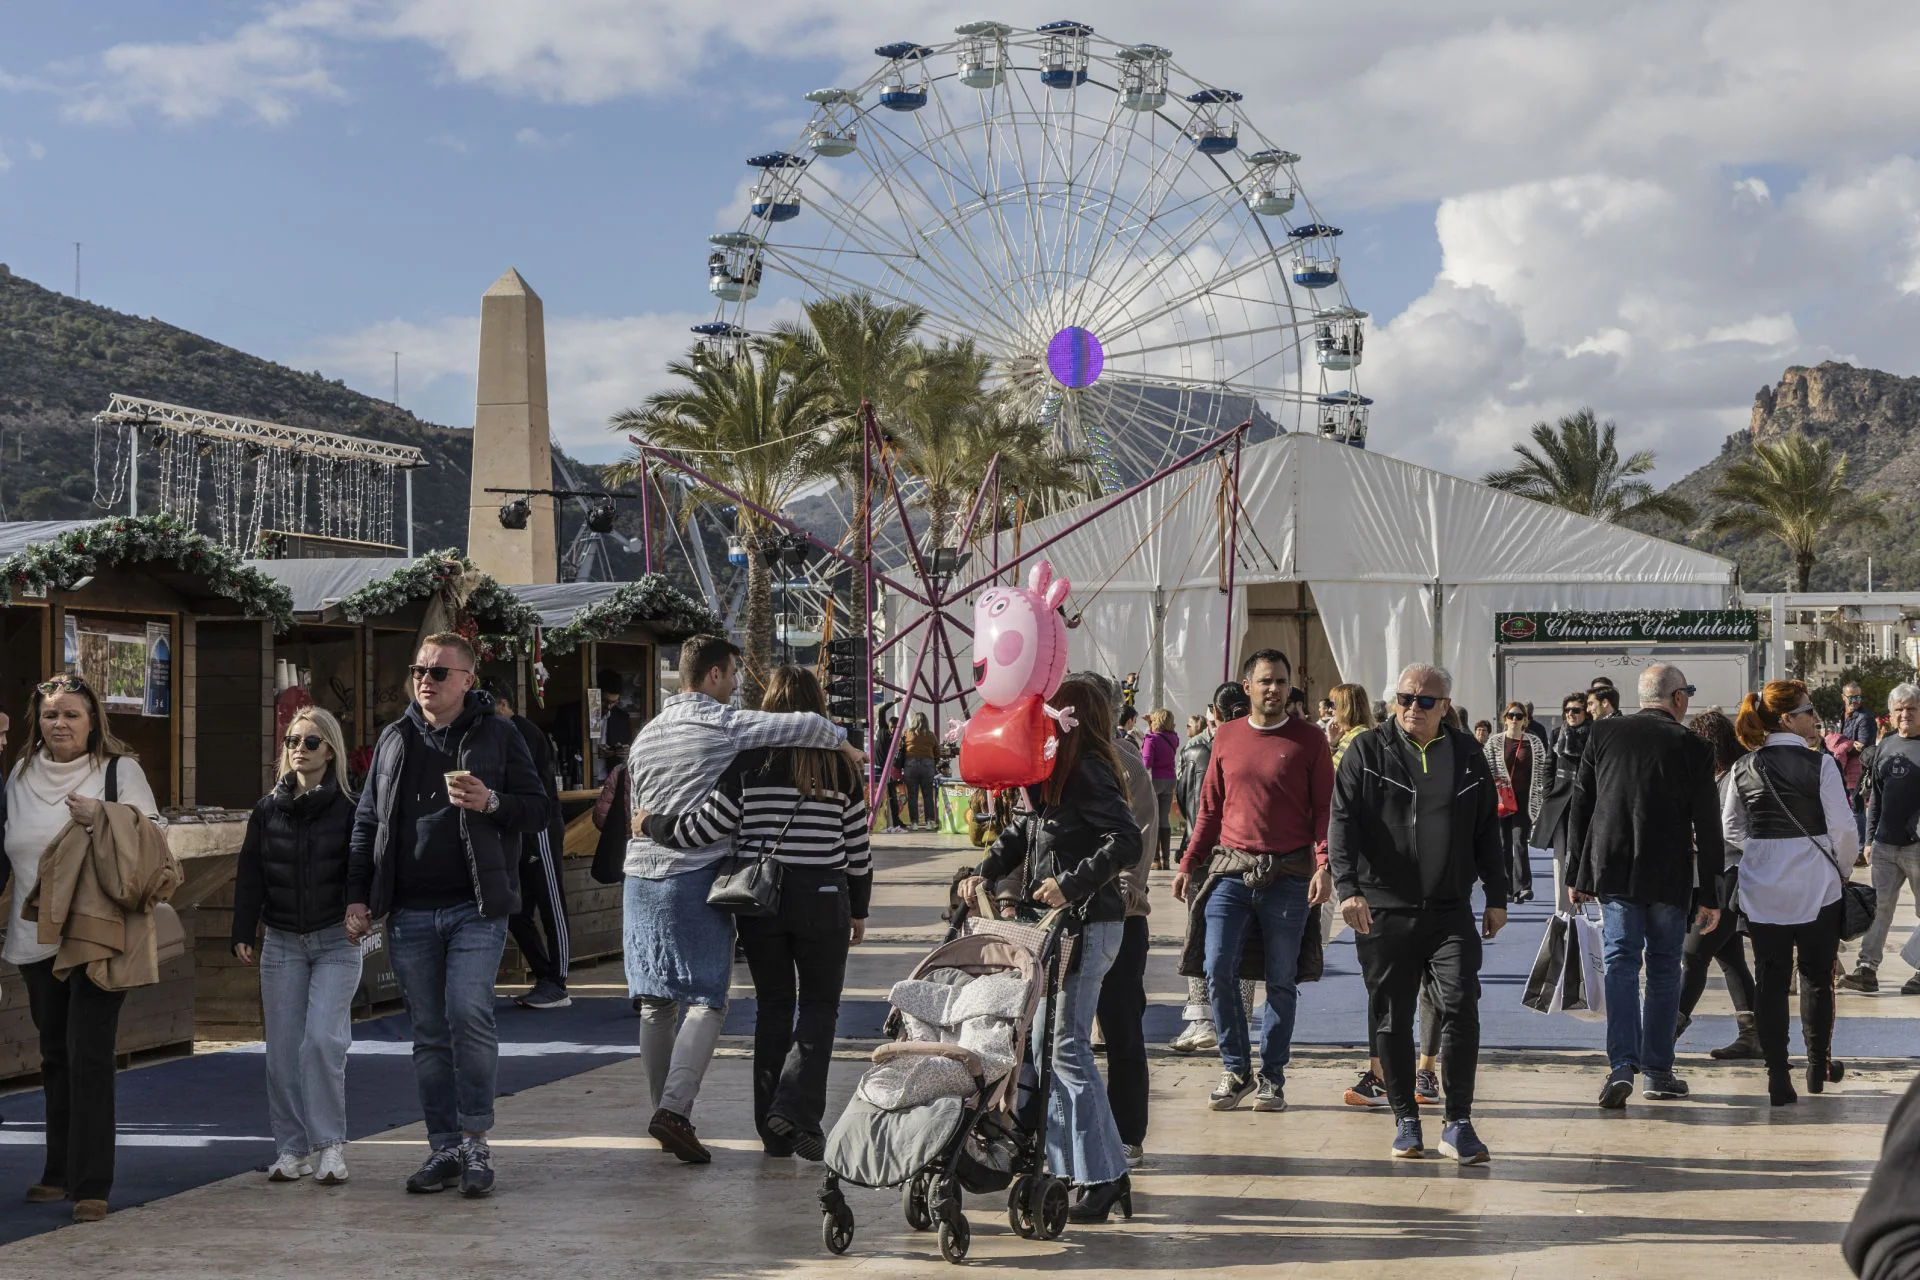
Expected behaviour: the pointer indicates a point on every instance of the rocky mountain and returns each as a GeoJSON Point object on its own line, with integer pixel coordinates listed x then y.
{"type": "Point", "coordinates": [61, 358]}
{"type": "Point", "coordinates": [1871, 416]}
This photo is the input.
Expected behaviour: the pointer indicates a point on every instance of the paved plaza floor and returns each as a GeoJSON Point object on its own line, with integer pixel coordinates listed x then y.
{"type": "Point", "coordinates": [1718, 1185]}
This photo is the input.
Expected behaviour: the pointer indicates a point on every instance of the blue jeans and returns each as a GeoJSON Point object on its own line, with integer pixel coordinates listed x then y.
{"type": "Point", "coordinates": [1281, 909]}
{"type": "Point", "coordinates": [1083, 1142]}
{"type": "Point", "coordinates": [446, 961]}
{"type": "Point", "coordinates": [1637, 1040]}
{"type": "Point", "coordinates": [307, 981]}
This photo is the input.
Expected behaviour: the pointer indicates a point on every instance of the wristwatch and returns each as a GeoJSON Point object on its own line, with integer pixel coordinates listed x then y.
{"type": "Point", "coordinates": [493, 802]}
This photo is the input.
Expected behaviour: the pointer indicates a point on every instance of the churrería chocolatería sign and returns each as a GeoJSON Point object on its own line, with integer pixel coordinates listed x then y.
{"type": "Point", "coordinates": [1628, 626]}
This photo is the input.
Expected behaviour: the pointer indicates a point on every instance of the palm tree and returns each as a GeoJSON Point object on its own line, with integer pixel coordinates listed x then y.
{"type": "Point", "coordinates": [866, 349]}
{"type": "Point", "coordinates": [1794, 490]}
{"type": "Point", "coordinates": [758, 424]}
{"type": "Point", "coordinates": [1579, 468]}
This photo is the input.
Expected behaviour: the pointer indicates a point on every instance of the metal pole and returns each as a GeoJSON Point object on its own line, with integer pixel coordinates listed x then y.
{"type": "Point", "coordinates": [866, 599]}
{"type": "Point", "coordinates": [646, 514]}
{"type": "Point", "coordinates": [409, 513]}
{"type": "Point", "coordinates": [1233, 551]}
{"type": "Point", "coordinates": [133, 472]}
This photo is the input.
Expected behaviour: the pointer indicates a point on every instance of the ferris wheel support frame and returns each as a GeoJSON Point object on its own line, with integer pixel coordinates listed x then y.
{"type": "Point", "coordinates": [936, 592]}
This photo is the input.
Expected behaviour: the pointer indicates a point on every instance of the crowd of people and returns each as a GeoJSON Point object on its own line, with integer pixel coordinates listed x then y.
{"type": "Point", "coordinates": [1697, 835]}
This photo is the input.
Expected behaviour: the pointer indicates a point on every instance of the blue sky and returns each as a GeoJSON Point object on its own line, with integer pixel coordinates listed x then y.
{"type": "Point", "coordinates": [1545, 207]}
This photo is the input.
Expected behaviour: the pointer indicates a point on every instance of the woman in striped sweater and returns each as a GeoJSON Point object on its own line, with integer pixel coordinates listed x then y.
{"type": "Point", "coordinates": [810, 806]}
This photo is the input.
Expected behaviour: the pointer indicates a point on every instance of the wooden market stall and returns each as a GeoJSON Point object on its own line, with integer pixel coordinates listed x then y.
{"type": "Point", "coordinates": [176, 634]}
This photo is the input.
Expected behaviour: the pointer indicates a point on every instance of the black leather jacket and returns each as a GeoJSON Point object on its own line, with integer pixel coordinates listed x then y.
{"type": "Point", "coordinates": [1189, 771]}
{"type": "Point", "coordinates": [1795, 774]}
{"type": "Point", "coordinates": [1085, 842]}
{"type": "Point", "coordinates": [292, 871]}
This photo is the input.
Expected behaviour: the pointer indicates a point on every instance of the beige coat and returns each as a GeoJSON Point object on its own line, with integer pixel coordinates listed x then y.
{"type": "Point", "coordinates": [96, 896]}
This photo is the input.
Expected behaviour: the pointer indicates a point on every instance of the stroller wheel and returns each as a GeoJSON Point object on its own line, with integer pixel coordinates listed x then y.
{"type": "Point", "coordinates": [913, 1203]}
{"type": "Point", "coordinates": [955, 1236]}
{"type": "Point", "coordinates": [1019, 1215]}
{"type": "Point", "coordinates": [836, 1231]}
{"type": "Point", "coordinates": [1049, 1206]}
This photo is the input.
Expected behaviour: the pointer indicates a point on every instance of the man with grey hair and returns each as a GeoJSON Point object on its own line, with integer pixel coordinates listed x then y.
{"type": "Point", "coordinates": [1644, 839]}
{"type": "Point", "coordinates": [1415, 823]}
{"type": "Point", "coordinates": [1893, 824]}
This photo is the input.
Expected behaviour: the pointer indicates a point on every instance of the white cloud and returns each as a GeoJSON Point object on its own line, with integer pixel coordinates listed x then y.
{"type": "Point", "coordinates": [6, 161]}
{"type": "Point", "coordinates": [534, 140]}
{"type": "Point", "coordinates": [35, 151]}
{"type": "Point", "coordinates": [263, 69]}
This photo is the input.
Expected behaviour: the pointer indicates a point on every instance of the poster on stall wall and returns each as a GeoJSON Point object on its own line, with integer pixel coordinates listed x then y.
{"type": "Point", "coordinates": [159, 689]}
{"type": "Point", "coordinates": [70, 654]}
{"type": "Point", "coordinates": [112, 659]}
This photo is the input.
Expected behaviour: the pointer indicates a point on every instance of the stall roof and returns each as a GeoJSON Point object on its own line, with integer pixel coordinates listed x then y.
{"type": "Point", "coordinates": [576, 613]}
{"type": "Point", "coordinates": [317, 583]}
{"type": "Point", "coordinates": [18, 535]}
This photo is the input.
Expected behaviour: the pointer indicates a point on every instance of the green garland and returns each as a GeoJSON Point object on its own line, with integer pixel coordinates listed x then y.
{"type": "Point", "coordinates": [58, 563]}
{"type": "Point", "coordinates": [502, 625]}
{"type": "Point", "coordinates": [669, 612]}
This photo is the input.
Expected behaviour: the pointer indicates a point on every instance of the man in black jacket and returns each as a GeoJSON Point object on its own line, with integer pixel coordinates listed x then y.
{"type": "Point", "coordinates": [1883, 1240]}
{"type": "Point", "coordinates": [542, 894]}
{"type": "Point", "coordinates": [1415, 823]}
{"type": "Point", "coordinates": [1644, 838]}
{"type": "Point", "coordinates": [436, 849]}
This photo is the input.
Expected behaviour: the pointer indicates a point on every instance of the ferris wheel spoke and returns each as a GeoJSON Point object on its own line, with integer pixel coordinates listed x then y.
{"type": "Point", "coordinates": [1211, 385]}
{"type": "Point", "coordinates": [1282, 326]}
{"type": "Point", "coordinates": [1132, 323]}
{"type": "Point", "coordinates": [1176, 253]}
{"type": "Point", "coordinates": [991, 207]}
{"type": "Point", "coordinates": [826, 279]}
{"type": "Point", "coordinates": [1117, 156]}
{"type": "Point", "coordinates": [1004, 126]}
{"type": "Point", "coordinates": [1168, 168]}
{"type": "Point", "coordinates": [933, 255]}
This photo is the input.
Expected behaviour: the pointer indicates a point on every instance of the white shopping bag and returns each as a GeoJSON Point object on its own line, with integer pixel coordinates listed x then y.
{"type": "Point", "coordinates": [1911, 952]}
{"type": "Point", "coordinates": [1587, 938]}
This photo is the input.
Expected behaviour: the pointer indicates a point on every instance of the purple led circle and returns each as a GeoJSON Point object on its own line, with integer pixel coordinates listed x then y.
{"type": "Point", "coordinates": [1075, 357]}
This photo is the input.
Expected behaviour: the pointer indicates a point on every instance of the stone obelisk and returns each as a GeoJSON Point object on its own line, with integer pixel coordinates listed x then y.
{"type": "Point", "coordinates": [511, 447]}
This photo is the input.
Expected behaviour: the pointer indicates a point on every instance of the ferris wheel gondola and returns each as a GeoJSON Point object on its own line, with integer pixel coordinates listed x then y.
{"type": "Point", "coordinates": [1118, 237]}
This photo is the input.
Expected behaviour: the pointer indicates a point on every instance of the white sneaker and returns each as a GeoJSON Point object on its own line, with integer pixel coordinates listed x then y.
{"type": "Point", "coordinates": [289, 1169]}
{"type": "Point", "coordinates": [332, 1169]}
{"type": "Point", "coordinates": [1199, 1037]}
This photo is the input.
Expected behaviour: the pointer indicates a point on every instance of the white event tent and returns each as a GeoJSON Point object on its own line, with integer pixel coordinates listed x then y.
{"type": "Point", "coordinates": [1405, 564]}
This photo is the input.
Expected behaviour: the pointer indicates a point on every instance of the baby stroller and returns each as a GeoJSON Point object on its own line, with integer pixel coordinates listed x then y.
{"type": "Point", "coordinates": [952, 1104]}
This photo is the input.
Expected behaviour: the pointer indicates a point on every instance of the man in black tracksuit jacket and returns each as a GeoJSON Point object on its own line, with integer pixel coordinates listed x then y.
{"type": "Point", "coordinates": [436, 850]}
{"type": "Point", "coordinates": [1415, 822]}
{"type": "Point", "coordinates": [542, 894]}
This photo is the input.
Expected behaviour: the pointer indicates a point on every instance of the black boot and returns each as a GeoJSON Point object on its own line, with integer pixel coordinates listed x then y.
{"type": "Point", "coordinates": [1780, 1087]}
{"type": "Point", "coordinates": [1745, 1046]}
{"type": "Point", "coordinates": [1816, 1025]}
{"type": "Point", "coordinates": [1100, 1199]}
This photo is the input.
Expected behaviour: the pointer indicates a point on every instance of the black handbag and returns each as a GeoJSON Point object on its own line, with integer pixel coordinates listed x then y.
{"type": "Point", "coordinates": [749, 884]}
{"type": "Point", "coordinates": [1858, 902]}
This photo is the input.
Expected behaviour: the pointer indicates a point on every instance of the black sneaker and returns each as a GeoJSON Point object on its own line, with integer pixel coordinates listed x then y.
{"type": "Point", "coordinates": [1615, 1092]}
{"type": "Point", "coordinates": [1861, 979]}
{"type": "Point", "coordinates": [807, 1144]}
{"type": "Point", "coordinates": [442, 1170]}
{"type": "Point", "coordinates": [674, 1132]}
{"type": "Point", "coordinates": [1426, 1088]}
{"type": "Point", "coordinates": [1664, 1087]}
{"type": "Point", "coordinates": [476, 1171]}
{"type": "Point", "coordinates": [545, 995]}
{"type": "Point", "coordinates": [1911, 987]}
{"type": "Point", "coordinates": [1369, 1092]}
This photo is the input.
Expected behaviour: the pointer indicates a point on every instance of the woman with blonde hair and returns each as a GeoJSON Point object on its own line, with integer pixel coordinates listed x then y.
{"type": "Point", "coordinates": [292, 876]}
{"type": "Point", "coordinates": [1160, 752]}
{"type": "Point", "coordinates": [1352, 716]}
{"type": "Point", "coordinates": [70, 769]}
{"type": "Point", "coordinates": [1786, 808]}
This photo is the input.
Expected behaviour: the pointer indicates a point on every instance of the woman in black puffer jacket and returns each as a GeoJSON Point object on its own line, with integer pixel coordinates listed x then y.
{"type": "Point", "coordinates": [293, 876]}
{"type": "Point", "coordinates": [1070, 849]}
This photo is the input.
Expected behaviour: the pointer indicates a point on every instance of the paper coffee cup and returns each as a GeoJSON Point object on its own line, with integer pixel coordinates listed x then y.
{"type": "Point", "coordinates": [454, 775]}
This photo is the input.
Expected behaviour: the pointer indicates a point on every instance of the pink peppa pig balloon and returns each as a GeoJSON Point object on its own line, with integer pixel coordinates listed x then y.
{"type": "Point", "coordinates": [1019, 657]}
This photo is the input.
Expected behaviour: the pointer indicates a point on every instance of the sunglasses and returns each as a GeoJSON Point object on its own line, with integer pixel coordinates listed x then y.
{"type": "Point", "coordinates": [1425, 701]}
{"type": "Point", "coordinates": [311, 741]}
{"type": "Point", "coordinates": [436, 674]}
{"type": "Point", "coordinates": [1809, 709]}
{"type": "Point", "coordinates": [1687, 689]}
{"type": "Point", "coordinates": [1853, 697]}
{"type": "Point", "coordinates": [1515, 715]}
{"type": "Point", "coordinates": [64, 684]}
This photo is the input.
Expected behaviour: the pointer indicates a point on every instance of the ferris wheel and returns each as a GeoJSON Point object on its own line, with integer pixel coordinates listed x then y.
{"type": "Point", "coordinates": [1139, 261]}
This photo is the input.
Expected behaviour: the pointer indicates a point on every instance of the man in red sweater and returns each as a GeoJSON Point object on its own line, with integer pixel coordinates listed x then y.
{"type": "Point", "coordinates": [1260, 838]}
